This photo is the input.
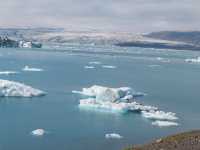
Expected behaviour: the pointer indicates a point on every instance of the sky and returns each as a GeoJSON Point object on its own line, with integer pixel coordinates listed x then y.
{"type": "Point", "coordinates": [109, 15]}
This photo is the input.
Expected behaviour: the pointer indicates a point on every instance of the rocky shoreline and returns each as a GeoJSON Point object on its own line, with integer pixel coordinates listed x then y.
{"type": "Point", "coordinates": [182, 141]}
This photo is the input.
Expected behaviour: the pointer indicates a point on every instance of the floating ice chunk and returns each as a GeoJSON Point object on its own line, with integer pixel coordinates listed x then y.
{"type": "Point", "coordinates": [109, 67]}
{"type": "Point", "coordinates": [193, 60]}
{"type": "Point", "coordinates": [108, 94]}
{"type": "Point", "coordinates": [163, 59]}
{"type": "Point", "coordinates": [164, 123]}
{"type": "Point", "coordinates": [134, 106]}
{"type": "Point", "coordinates": [102, 93]}
{"type": "Point", "coordinates": [89, 67]}
{"type": "Point", "coordinates": [159, 115]}
{"type": "Point", "coordinates": [108, 106]}
{"type": "Point", "coordinates": [121, 100]}
{"type": "Point", "coordinates": [113, 136]}
{"type": "Point", "coordinates": [27, 68]}
{"type": "Point", "coordinates": [7, 72]}
{"type": "Point", "coordinates": [11, 88]}
{"type": "Point", "coordinates": [153, 66]}
{"type": "Point", "coordinates": [95, 63]}
{"type": "Point", "coordinates": [38, 132]}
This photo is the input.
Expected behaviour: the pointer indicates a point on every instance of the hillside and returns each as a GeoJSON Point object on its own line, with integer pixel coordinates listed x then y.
{"type": "Point", "coordinates": [192, 37]}
{"type": "Point", "coordinates": [182, 141]}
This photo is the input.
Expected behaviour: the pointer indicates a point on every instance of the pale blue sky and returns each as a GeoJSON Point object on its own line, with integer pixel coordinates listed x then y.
{"type": "Point", "coordinates": [117, 15]}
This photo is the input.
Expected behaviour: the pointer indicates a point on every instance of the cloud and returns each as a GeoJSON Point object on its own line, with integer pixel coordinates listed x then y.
{"type": "Point", "coordinates": [123, 15]}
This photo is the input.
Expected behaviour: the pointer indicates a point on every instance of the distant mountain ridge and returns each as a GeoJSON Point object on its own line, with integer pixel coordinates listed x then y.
{"type": "Point", "coordinates": [192, 37]}
{"type": "Point", "coordinates": [179, 40]}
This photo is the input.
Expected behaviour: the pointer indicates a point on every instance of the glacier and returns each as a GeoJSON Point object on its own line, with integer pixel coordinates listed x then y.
{"type": "Point", "coordinates": [16, 89]}
{"type": "Point", "coordinates": [122, 100]}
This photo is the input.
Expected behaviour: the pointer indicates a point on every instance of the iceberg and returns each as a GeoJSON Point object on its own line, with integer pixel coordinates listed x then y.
{"type": "Point", "coordinates": [122, 100]}
{"type": "Point", "coordinates": [113, 136]}
{"type": "Point", "coordinates": [193, 60]}
{"type": "Point", "coordinates": [109, 67]}
{"type": "Point", "coordinates": [107, 106]}
{"type": "Point", "coordinates": [95, 63]}
{"type": "Point", "coordinates": [38, 132]}
{"type": "Point", "coordinates": [165, 60]}
{"type": "Point", "coordinates": [152, 66]}
{"type": "Point", "coordinates": [159, 115]}
{"type": "Point", "coordinates": [109, 94]}
{"type": "Point", "coordinates": [164, 123]}
{"type": "Point", "coordinates": [7, 72]}
{"type": "Point", "coordinates": [89, 67]}
{"type": "Point", "coordinates": [15, 89]}
{"type": "Point", "coordinates": [27, 68]}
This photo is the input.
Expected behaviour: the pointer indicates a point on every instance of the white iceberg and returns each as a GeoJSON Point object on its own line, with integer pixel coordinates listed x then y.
{"type": "Point", "coordinates": [8, 72]}
{"type": "Point", "coordinates": [164, 123]}
{"type": "Point", "coordinates": [165, 60]}
{"type": "Point", "coordinates": [102, 93]}
{"type": "Point", "coordinates": [159, 115]}
{"type": "Point", "coordinates": [95, 63]}
{"type": "Point", "coordinates": [107, 106]}
{"type": "Point", "coordinates": [38, 132]}
{"type": "Point", "coordinates": [27, 68]}
{"type": "Point", "coordinates": [15, 89]}
{"type": "Point", "coordinates": [109, 67]}
{"type": "Point", "coordinates": [193, 60]}
{"type": "Point", "coordinates": [122, 100]}
{"type": "Point", "coordinates": [153, 66]}
{"type": "Point", "coordinates": [89, 67]}
{"type": "Point", "coordinates": [113, 136]}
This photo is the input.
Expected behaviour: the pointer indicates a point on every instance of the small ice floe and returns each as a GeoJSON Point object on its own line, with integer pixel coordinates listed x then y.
{"type": "Point", "coordinates": [109, 67]}
{"type": "Point", "coordinates": [159, 115]}
{"type": "Point", "coordinates": [164, 123]}
{"type": "Point", "coordinates": [16, 89]}
{"type": "Point", "coordinates": [89, 67]}
{"type": "Point", "coordinates": [38, 132]}
{"type": "Point", "coordinates": [27, 68]}
{"type": "Point", "coordinates": [153, 66]}
{"type": "Point", "coordinates": [113, 136]}
{"type": "Point", "coordinates": [8, 72]}
{"type": "Point", "coordinates": [165, 60]}
{"type": "Point", "coordinates": [95, 63]}
{"type": "Point", "coordinates": [193, 60]}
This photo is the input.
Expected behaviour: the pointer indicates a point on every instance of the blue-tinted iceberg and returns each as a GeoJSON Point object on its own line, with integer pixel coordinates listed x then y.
{"type": "Point", "coordinates": [15, 89]}
{"type": "Point", "coordinates": [121, 100]}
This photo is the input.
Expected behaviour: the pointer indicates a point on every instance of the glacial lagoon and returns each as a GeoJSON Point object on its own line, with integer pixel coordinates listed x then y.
{"type": "Point", "coordinates": [169, 82]}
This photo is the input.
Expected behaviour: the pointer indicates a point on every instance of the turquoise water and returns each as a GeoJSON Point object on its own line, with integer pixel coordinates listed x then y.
{"type": "Point", "coordinates": [171, 85]}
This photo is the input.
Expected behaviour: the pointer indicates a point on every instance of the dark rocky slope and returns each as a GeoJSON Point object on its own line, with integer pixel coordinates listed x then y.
{"type": "Point", "coordinates": [182, 141]}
